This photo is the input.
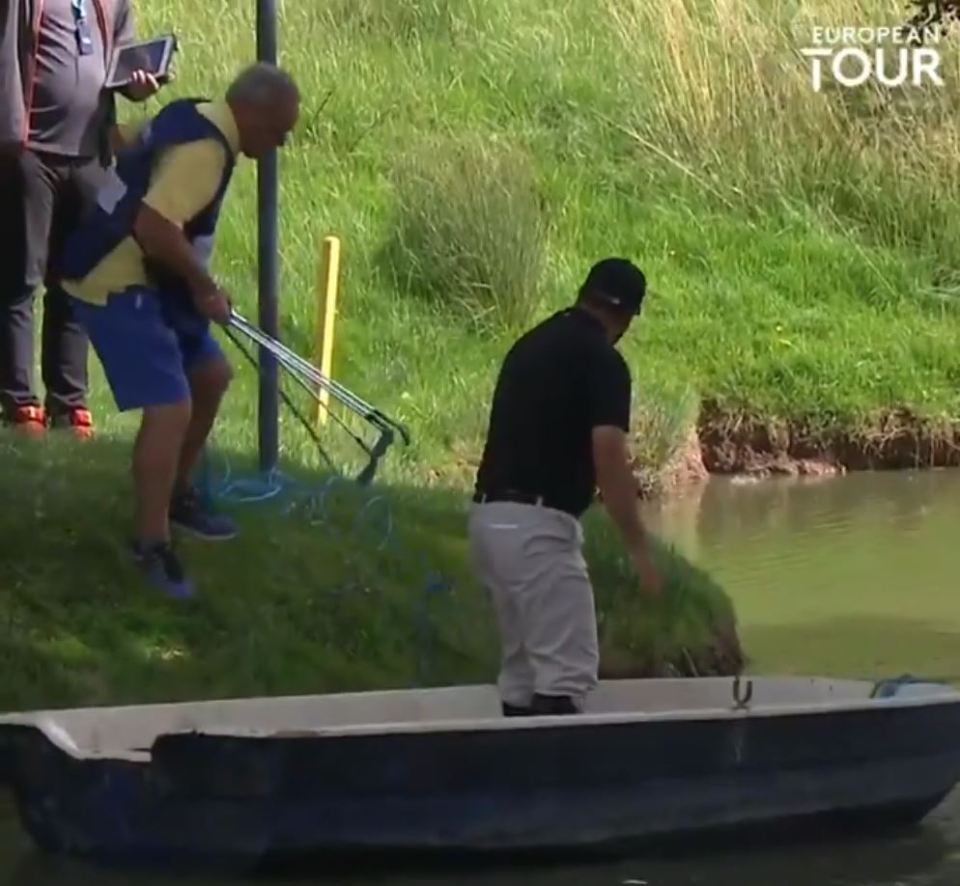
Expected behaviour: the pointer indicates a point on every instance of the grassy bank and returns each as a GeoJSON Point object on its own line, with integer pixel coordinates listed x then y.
{"type": "Point", "coordinates": [326, 590]}
{"type": "Point", "coordinates": [476, 156]}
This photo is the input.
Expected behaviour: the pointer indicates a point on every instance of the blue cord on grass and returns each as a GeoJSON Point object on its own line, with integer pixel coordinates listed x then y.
{"type": "Point", "coordinates": [276, 486]}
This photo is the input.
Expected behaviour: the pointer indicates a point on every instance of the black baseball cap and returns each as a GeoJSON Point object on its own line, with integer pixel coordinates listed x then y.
{"type": "Point", "coordinates": [617, 282]}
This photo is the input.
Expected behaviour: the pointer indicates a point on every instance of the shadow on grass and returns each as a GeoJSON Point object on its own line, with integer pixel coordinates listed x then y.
{"type": "Point", "coordinates": [309, 599]}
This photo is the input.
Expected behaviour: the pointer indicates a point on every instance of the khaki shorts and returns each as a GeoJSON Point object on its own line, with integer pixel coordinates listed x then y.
{"type": "Point", "coordinates": [530, 560]}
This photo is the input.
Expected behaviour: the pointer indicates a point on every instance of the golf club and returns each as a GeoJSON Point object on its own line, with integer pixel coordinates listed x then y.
{"type": "Point", "coordinates": [315, 381]}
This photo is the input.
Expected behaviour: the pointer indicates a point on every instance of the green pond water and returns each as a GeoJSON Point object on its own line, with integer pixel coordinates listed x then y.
{"type": "Point", "coordinates": [855, 575]}
{"type": "Point", "coordinates": [851, 576]}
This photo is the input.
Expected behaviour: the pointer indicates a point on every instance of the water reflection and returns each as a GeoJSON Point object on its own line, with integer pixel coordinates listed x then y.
{"type": "Point", "coordinates": [925, 856]}
{"type": "Point", "coordinates": [740, 513]}
{"type": "Point", "coordinates": [853, 574]}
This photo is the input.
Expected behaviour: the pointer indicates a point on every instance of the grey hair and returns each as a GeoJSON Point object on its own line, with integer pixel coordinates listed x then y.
{"type": "Point", "coordinates": [262, 84]}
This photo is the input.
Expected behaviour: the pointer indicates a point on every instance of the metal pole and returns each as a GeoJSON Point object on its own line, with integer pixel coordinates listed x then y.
{"type": "Point", "coordinates": [269, 410]}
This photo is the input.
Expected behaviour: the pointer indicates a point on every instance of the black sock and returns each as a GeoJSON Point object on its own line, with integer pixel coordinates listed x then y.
{"type": "Point", "coordinates": [145, 546]}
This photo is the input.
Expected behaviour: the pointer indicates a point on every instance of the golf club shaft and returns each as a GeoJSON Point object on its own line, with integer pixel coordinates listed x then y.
{"type": "Point", "coordinates": [309, 373]}
{"type": "Point", "coordinates": [298, 365]}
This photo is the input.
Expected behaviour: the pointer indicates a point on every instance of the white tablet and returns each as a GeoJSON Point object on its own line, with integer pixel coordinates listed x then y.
{"type": "Point", "coordinates": [153, 56]}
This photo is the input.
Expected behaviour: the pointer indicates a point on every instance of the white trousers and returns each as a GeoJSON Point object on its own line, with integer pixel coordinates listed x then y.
{"type": "Point", "coordinates": [530, 560]}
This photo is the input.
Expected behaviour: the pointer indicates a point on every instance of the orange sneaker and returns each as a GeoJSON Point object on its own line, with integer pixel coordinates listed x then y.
{"type": "Point", "coordinates": [27, 419]}
{"type": "Point", "coordinates": [78, 420]}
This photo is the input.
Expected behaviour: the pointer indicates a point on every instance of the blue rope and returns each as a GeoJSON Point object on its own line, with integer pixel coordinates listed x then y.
{"type": "Point", "coordinates": [313, 501]}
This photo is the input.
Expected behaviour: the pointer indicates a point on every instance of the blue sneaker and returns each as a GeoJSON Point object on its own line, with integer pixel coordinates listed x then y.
{"type": "Point", "coordinates": [187, 512]}
{"type": "Point", "coordinates": [162, 569]}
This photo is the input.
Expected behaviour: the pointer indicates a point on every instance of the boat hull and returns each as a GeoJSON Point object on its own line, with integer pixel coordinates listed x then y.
{"type": "Point", "coordinates": [243, 801]}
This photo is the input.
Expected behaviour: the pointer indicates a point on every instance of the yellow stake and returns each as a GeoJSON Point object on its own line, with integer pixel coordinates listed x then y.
{"type": "Point", "coordinates": [328, 278]}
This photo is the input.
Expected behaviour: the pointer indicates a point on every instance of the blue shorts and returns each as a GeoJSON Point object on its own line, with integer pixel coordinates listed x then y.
{"type": "Point", "coordinates": [147, 347]}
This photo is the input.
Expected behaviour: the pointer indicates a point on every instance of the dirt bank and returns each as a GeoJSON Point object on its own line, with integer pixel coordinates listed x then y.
{"type": "Point", "coordinates": [896, 439]}
{"type": "Point", "coordinates": [726, 442]}
{"type": "Point", "coordinates": [685, 468]}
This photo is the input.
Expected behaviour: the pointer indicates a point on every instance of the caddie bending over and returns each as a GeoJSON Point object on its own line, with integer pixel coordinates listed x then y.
{"type": "Point", "coordinates": [137, 275]}
{"type": "Point", "coordinates": [558, 429]}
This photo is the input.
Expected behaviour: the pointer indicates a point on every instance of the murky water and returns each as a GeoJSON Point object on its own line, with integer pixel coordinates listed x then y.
{"type": "Point", "coordinates": [854, 575]}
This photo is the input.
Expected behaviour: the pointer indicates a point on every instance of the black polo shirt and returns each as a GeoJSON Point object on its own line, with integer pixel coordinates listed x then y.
{"type": "Point", "coordinates": [558, 382]}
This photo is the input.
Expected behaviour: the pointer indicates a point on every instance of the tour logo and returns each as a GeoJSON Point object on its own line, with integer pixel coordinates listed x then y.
{"type": "Point", "coordinates": [885, 56]}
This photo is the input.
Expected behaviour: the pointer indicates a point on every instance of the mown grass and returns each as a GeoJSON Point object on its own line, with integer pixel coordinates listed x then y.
{"type": "Point", "coordinates": [329, 589]}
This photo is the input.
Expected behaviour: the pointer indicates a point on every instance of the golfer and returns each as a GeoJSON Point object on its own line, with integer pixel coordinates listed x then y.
{"type": "Point", "coordinates": [137, 275]}
{"type": "Point", "coordinates": [558, 429]}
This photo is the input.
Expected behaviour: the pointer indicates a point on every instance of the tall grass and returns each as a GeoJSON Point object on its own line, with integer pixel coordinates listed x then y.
{"type": "Point", "coordinates": [728, 98]}
{"type": "Point", "coordinates": [392, 21]}
{"type": "Point", "coordinates": [469, 233]}
{"type": "Point", "coordinates": [663, 414]}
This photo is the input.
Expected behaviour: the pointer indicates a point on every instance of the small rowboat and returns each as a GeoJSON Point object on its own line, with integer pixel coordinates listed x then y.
{"type": "Point", "coordinates": [250, 781]}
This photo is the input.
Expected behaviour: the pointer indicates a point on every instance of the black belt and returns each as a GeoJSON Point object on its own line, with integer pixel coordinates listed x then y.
{"type": "Point", "coordinates": [518, 496]}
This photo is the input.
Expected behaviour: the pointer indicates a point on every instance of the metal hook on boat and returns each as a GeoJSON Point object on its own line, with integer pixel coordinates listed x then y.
{"type": "Point", "coordinates": [742, 698]}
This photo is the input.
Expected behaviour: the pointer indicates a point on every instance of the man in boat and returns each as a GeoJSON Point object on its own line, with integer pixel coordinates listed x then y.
{"type": "Point", "coordinates": [137, 275]}
{"type": "Point", "coordinates": [558, 429]}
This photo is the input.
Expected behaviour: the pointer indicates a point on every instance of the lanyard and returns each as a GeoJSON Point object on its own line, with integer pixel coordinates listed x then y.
{"type": "Point", "coordinates": [84, 37]}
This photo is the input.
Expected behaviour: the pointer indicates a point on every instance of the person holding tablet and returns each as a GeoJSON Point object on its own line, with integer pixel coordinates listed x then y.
{"type": "Point", "coordinates": [56, 131]}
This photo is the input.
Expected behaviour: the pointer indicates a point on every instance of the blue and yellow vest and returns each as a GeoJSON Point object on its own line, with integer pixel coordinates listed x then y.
{"type": "Point", "coordinates": [119, 201]}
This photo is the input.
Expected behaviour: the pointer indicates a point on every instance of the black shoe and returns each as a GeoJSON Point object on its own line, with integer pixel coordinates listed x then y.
{"type": "Point", "coordinates": [187, 512]}
{"type": "Point", "coordinates": [162, 569]}
{"type": "Point", "coordinates": [549, 705]}
{"type": "Point", "coordinates": [512, 710]}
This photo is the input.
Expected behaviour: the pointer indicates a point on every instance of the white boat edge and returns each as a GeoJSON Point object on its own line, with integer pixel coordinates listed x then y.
{"type": "Point", "coordinates": [50, 722]}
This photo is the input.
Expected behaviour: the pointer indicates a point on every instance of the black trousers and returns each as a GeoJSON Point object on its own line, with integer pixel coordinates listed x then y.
{"type": "Point", "coordinates": [42, 198]}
